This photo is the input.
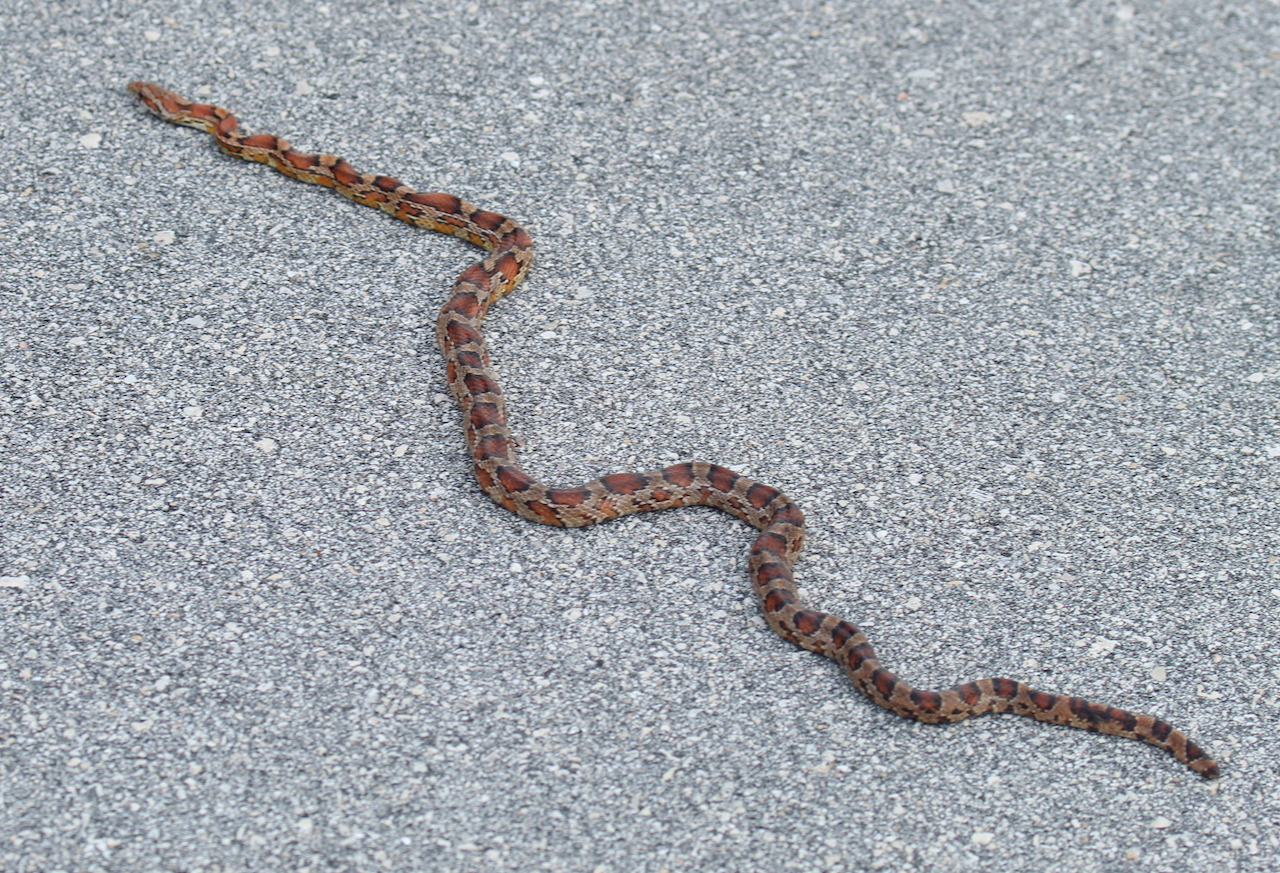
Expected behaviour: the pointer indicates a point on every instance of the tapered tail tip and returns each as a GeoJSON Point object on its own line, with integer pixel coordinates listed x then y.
{"type": "Point", "coordinates": [1206, 767]}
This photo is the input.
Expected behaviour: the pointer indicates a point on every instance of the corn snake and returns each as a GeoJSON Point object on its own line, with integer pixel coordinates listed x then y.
{"type": "Point", "coordinates": [473, 383]}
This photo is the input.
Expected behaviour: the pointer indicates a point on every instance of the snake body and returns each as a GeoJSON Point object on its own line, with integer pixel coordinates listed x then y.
{"type": "Point", "coordinates": [509, 255]}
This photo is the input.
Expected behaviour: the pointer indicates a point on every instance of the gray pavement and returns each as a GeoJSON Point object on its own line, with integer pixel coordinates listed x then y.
{"type": "Point", "coordinates": [993, 290]}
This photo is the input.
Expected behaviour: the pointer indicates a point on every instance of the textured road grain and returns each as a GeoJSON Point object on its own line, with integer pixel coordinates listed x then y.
{"type": "Point", "coordinates": [991, 291]}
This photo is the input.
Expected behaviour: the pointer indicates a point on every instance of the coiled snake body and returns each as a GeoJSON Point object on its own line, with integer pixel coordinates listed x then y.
{"type": "Point", "coordinates": [779, 520]}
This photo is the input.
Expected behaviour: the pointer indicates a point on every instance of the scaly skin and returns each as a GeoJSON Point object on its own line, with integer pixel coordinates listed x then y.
{"type": "Point", "coordinates": [780, 522]}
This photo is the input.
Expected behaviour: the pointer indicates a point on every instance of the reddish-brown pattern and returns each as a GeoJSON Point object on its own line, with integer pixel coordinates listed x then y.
{"type": "Point", "coordinates": [780, 522]}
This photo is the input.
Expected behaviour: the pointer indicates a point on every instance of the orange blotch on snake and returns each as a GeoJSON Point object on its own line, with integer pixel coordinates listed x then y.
{"type": "Point", "coordinates": [483, 477]}
{"type": "Point", "coordinates": [569, 496]}
{"type": "Point", "coordinates": [345, 174]}
{"type": "Point", "coordinates": [261, 141]}
{"type": "Point", "coordinates": [679, 474]}
{"type": "Point", "coordinates": [770, 542]}
{"type": "Point", "coordinates": [508, 266]}
{"type": "Point", "coordinates": [722, 477]}
{"type": "Point", "coordinates": [514, 479]}
{"type": "Point", "coordinates": [789, 514]}
{"type": "Point", "coordinates": [625, 483]}
{"type": "Point", "coordinates": [928, 701]}
{"type": "Point", "coordinates": [760, 496]}
{"type": "Point", "coordinates": [1044, 700]}
{"type": "Point", "coordinates": [771, 574]}
{"type": "Point", "coordinates": [778, 598]}
{"type": "Point", "coordinates": [478, 276]}
{"type": "Point", "coordinates": [860, 653]}
{"type": "Point", "coordinates": [478, 383]}
{"type": "Point", "coordinates": [304, 162]}
{"type": "Point", "coordinates": [884, 681]}
{"type": "Point", "coordinates": [491, 448]}
{"type": "Point", "coordinates": [468, 360]}
{"type": "Point", "coordinates": [436, 200]}
{"type": "Point", "coordinates": [843, 632]}
{"type": "Point", "coordinates": [545, 514]}
{"type": "Point", "coordinates": [606, 508]}
{"type": "Point", "coordinates": [1126, 721]}
{"type": "Point", "coordinates": [461, 334]}
{"type": "Point", "coordinates": [808, 621]}
{"type": "Point", "coordinates": [1006, 688]}
{"type": "Point", "coordinates": [485, 415]}
{"type": "Point", "coordinates": [488, 220]}
{"type": "Point", "coordinates": [464, 303]}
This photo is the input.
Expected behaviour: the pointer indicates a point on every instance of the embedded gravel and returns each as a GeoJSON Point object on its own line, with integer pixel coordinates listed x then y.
{"type": "Point", "coordinates": [990, 289]}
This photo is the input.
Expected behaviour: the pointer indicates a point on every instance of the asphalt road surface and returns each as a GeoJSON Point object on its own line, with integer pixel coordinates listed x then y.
{"type": "Point", "coordinates": [992, 290]}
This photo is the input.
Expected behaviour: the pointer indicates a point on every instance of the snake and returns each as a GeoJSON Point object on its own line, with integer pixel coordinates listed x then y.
{"type": "Point", "coordinates": [508, 257]}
